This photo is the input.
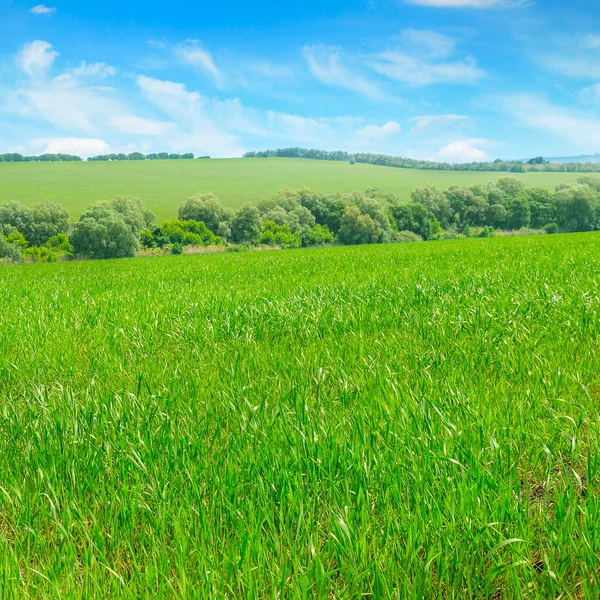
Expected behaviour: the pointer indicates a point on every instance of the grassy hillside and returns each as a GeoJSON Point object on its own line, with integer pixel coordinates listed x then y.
{"type": "Point", "coordinates": [412, 420]}
{"type": "Point", "coordinates": [163, 185]}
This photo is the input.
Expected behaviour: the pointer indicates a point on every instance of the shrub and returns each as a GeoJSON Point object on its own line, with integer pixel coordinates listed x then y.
{"type": "Point", "coordinates": [551, 228]}
{"type": "Point", "coordinates": [187, 233]}
{"type": "Point", "coordinates": [406, 236]}
{"type": "Point", "coordinates": [487, 232]}
{"type": "Point", "coordinates": [9, 251]}
{"type": "Point", "coordinates": [246, 225]}
{"type": "Point", "coordinates": [177, 248]}
{"type": "Point", "coordinates": [358, 228]}
{"type": "Point", "coordinates": [38, 223]}
{"type": "Point", "coordinates": [318, 235]}
{"type": "Point", "coordinates": [279, 235]}
{"type": "Point", "coordinates": [103, 233]}
{"type": "Point", "coordinates": [208, 209]}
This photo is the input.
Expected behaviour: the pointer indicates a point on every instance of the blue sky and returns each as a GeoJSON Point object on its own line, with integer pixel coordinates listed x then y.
{"type": "Point", "coordinates": [451, 80]}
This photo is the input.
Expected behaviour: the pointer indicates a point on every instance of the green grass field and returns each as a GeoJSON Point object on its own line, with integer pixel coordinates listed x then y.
{"type": "Point", "coordinates": [411, 421]}
{"type": "Point", "coordinates": [164, 185]}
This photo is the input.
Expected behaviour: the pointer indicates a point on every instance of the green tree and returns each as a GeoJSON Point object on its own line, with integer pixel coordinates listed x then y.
{"type": "Point", "coordinates": [103, 233]}
{"type": "Point", "coordinates": [318, 235]}
{"type": "Point", "coordinates": [577, 208]}
{"type": "Point", "coordinates": [435, 201]}
{"type": "Point", "coordinates": [246, 225]}
{"type": "Point", "coordinates": [279, 235]}
{"type": "Point", "coordinates": [518, 212]}
{"type": "Point", "coordinates": [208, 209]}
{"type": "Point", "coordinates": [359, 228]}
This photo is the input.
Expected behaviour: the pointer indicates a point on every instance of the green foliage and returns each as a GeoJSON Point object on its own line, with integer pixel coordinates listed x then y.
{"type": "Point", "coordinates": [279, 235]}
{"type": "Point", "coordinates": [246, 225]}
{"type": "Point", "coordinates": [552, 228]}
{"type": "Point", "coordinates": [16, 237]}
{"type": "Point", "coordinates": [37, 223]}
{"type": "Point", "coordinates": [9, 251]}
{"type": "Point", "coordinates": [417, 218]}
{"type": "Point", "coordinates": [577, 208]}
{"type": "Point", "coordinates": [103, 233]}
{"type": "Point", "coordinates": [318, 235]}
{"type": "Point", "coordinates": [186, 233]}
{"type": "Point", "coordinates": [208, 209]}
{"type": "Point", "coordinates": [359, 228]}
{"type": "Point", "coordinates": [407, 236]}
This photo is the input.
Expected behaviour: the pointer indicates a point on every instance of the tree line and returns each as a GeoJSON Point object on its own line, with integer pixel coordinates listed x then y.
{"type": "Point", "coordinates": [537, 164]}
{"type": "Point", "coordinates": [13, 157]}
{"type": "Point", "coordinates": [297, 218]}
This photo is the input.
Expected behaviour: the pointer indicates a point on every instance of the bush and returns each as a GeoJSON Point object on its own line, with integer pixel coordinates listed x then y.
{"type": "Point", "coordinates": [187, 233]}
{"type": "Point", "coordinates": [551, 228]}
{"type": "Point", "coordinates": [318, 235]}
{"type": "Point", "coordinates": [177, 248]}
{"type": "Point", "coordinates": [38, 223]}
{"type": "Point", "coordinates": [246, 225]}
{"type": "Point", "coordinates": [206, 208]}
{"type": "Point", "coordinates": [9, 252]}
{"type": "Point", "coordinates": [103, 233]}
{"type": "Point", "coordinates": [358, 228]}
{"type": "Point", "coordinates": [487, 232]}
{"type": "Point", "coordinates": [406, 236]}
{"type": "Point", "coordinates": [279, 235]}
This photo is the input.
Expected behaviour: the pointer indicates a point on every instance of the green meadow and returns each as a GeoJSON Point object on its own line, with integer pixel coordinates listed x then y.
{"type": "Point", "coordinates": [393, 421]}
{"type": "Point", "coordinates": [164, 185]}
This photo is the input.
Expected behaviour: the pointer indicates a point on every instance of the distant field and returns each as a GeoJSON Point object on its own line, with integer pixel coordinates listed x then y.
{"type": "Point", "coordinates": [164, 185]}
{"type": "Point", "coordinates": [397, 421]}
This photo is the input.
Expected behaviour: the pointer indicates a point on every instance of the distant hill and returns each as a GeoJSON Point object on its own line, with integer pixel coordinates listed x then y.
{"type": "Point", "coordinates": [584, 158]}
{"type": "Point", "coordinates": [164, 184]}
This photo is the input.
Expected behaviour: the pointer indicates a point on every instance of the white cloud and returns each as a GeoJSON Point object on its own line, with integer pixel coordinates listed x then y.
{"type": "Point", "coordinates": [591, 94]}
{"type": "Point", "coordinates": [67, 104]}
{"type": "Point", "coordinates": [463, 151]}
{"type": "Point", "coordinates": [373, 133]}
{"type": "Point", "coordinates": [192, 53]}
{"type": "Point", "coordinates": [583, 67]}
{"type": "Point", "coordinates": [422, 59]}
{"type": "Point", "coordinates": [98, 69]}
{"type": "Point", "coordinates": [416, 72]}
{"type": "Point", "coordinates": [427, 122]}
{"type": "Point", "coordinates": [470, 3]}
{"type": "Point", "coordinates": [42, 9]}
{"type": "Point", "coordinates": [139, 126]}
{"type": "Point", "coordinates": [35, 58]}
{"type": "Point", "coordinates": [428, 43]}
{"type": "Point", "coordinates": [592, 41]}
{"type": "Point", "coordinates": [83, 147]}
{"type": "Point", "coordinates": [324, 62]}
{"type": "Point", "coordinates": [195, 129]}
{"type": "Point", "coordinates": [536, 113]}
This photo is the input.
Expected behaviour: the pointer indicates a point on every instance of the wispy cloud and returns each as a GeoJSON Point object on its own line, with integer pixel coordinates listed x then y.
{"type": "Point", "coordinates": [433, 122]}
{"type": "Point", "coordinates": [471, 3]}
{"type": "Point", "coordinates": [422, 58]}
{"type": "Point", "coordinates": [579, 128]}
{"type": "Point", "coordinates": [35, 58]}
{"type": "Point", "coordinates": [374, 133]}
{"type": "Point", "coordinates": [42, 9]}
{"type": "Point", "coordinates": [325, 64]}
{"type": "Point", "coordinates": [414, 71]}
{"type": "Point", "coordinates": [592, 41]}
{"type": "Point", "coordinates": [191, 52]}
{"type": "Point", "coordinates": [98, 69]}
